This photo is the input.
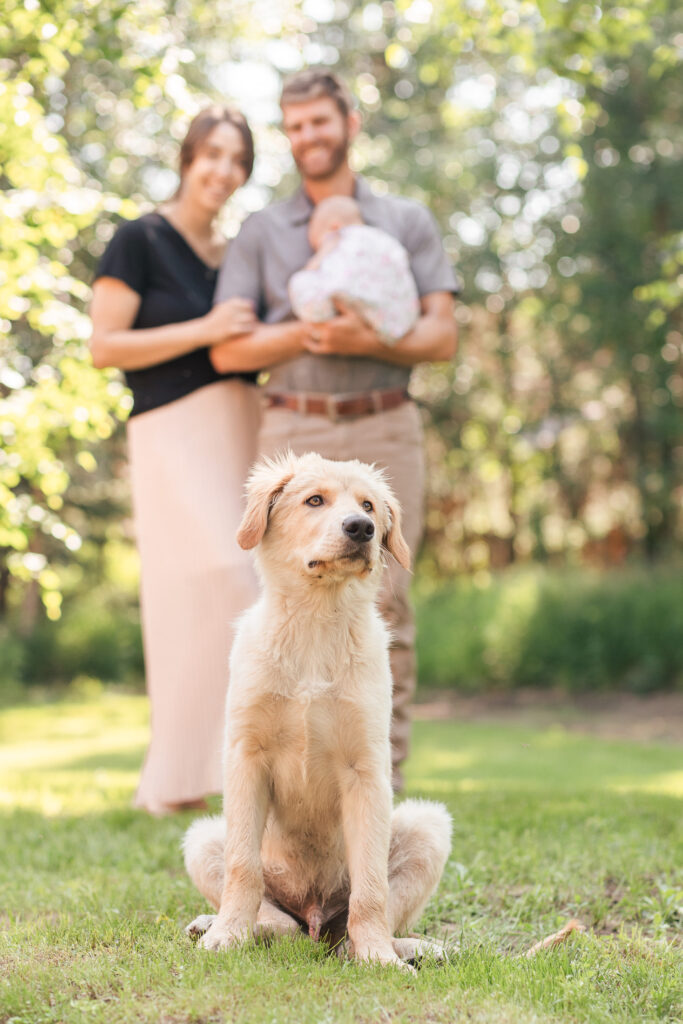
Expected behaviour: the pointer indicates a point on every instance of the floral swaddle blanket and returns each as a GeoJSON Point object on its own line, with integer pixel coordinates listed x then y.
{"type": "Point", "coordinates": [368, 270]}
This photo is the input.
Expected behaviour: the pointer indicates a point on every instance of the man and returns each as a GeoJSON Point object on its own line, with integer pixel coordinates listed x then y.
{"type": "Point", "coordinates": [345, 393]}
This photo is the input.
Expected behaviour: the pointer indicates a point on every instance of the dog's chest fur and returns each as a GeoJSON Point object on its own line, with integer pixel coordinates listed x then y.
{"type": "Point", "coordinates": [313, 657]}
{"type": "Point", "coordinates": [310, 652]}
{"type": "Point", "coordinates": [303, 838]}
{"type": "Point", "coordinates": [307, 740]}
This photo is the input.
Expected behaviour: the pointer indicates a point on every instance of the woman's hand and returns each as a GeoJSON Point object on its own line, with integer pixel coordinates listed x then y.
{"type": "Point", "coordinates": [228, 320]}
{"type": "Point", "coordinates": [114, 342]}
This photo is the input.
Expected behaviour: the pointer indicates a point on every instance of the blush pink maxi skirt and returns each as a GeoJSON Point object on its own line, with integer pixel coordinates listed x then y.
{"type": "Point", "coordinates": [189, 461]}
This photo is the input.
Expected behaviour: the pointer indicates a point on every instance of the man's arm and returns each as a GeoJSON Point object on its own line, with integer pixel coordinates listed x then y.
{"type": "Point", "coordinates": [433, 338]}
{"type": "Point", "coordinates": [267, 345]}
{"type": "Point", "coordinates": [241, 275]}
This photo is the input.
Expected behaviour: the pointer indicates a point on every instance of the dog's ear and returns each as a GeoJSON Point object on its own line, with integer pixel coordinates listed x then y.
{"type": "Point", "coordinates": [264, 486]}
{"type": "Point", "coordinates": [393, 539]}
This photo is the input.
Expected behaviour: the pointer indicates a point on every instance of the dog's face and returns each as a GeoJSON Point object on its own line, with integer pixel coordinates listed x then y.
{"type": "Point", "coordinates": [321, 519]}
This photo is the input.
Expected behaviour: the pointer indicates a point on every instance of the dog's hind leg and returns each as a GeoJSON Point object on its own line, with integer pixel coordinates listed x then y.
{"type": "Point", "coordinates": [204, 849]}
{"type": "Point", "coordinates": [413, 949]}
{"type": "Point", "coordinates": [420, 844]}
{"type": "Point", "coordinates": [272, 921]}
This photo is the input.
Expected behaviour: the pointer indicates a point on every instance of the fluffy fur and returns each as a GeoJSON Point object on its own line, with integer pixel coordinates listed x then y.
{"type": "Point", "coordinates": [308, 835]}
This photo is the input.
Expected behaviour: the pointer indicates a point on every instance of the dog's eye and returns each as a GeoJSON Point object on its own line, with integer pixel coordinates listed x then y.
{"type": "Point", "coordinates": [367, 506]}
{"type": "Point", "coordinates": [315, 500]}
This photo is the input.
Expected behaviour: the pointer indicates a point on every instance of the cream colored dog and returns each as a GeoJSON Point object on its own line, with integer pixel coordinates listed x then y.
{"type": "Point", "coordinates": [308, 835]}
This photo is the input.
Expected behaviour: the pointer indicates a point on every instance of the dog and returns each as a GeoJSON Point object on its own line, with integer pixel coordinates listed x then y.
{"type": "Point", "coordinates": [308, 837]}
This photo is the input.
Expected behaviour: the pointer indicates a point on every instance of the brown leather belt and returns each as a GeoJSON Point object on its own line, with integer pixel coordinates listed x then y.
{"type": "Point", "coordinates": [338, 406]}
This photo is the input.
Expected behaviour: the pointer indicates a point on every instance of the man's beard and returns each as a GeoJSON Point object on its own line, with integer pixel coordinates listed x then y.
{"type": "Point", "coordinates": [337, 157]}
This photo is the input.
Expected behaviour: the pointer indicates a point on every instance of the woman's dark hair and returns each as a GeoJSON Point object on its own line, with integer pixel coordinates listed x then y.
{"type": "Point", "coordinates": [201, 127]}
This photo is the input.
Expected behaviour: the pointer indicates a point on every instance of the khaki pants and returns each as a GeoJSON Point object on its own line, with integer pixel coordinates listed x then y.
{"type": "Point", "coordinates": [392, 440]}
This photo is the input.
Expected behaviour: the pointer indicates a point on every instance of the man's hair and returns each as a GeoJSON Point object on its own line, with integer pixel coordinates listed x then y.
{"type": "Point", "coordinates": [316, 82]}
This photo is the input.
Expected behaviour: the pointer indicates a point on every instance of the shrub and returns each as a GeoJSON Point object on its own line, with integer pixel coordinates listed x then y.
{"type": "Point", "coordinates": [91, 639]}
{"type": "Point", "coordinates": [547, 628]}
{"type": "Point", "coordinates": [533, 627]}
{"type": "Point", "coordinates": [12, 658]}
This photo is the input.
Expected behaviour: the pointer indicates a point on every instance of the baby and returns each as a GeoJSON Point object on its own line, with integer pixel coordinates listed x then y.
{"type": "Point", "coordinates": [362, 266]}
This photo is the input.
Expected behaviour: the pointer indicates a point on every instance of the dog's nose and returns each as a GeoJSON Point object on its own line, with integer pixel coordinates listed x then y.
{"type": "Point", "coordinates": [358, 528]}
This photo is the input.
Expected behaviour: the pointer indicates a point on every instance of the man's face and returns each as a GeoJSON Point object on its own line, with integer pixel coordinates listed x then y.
{"type": "Point", "coordinates": [319, 135]}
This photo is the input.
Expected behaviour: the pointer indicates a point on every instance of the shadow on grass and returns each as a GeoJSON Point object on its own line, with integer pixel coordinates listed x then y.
{"type": "Point", "coordinates": [461, 756]}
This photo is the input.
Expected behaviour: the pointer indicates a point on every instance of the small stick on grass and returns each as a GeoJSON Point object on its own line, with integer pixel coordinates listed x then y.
{"type": "Point", "coordinates": [556, 938]}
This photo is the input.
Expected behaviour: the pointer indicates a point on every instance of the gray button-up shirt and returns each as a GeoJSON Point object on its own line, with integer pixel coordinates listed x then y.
{"type": "Point", "coordinates": [273, 244]}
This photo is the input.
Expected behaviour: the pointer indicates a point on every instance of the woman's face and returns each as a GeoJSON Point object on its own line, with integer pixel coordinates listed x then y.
{"type": "Point", "coordinates": [217, 168]}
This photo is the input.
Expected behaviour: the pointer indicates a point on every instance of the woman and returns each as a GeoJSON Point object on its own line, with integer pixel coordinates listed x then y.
{"type": "Point", "coordinates": [192, 435]}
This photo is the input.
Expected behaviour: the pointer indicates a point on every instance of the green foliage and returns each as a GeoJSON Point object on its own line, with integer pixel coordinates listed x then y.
{"type": "Point", "coordinates": [12, 660]}
{"type": "Point", "coordinates": [666, 294]}
{"type": "Point", "coordinates": [546, 139]}
{"type": "Point", "coordinates": [90, 100]}
{"type": "Point", "coordinates": [49, 431]}
{"type": "Point", "coordinates": [579, 632]}
{"type": "Point", "coordinates": [55, 406]}
{"type": "Point", "coordinates": [534, 627]}
{"type": "Point", "coordinates": [101, 641]}
{"type": "Point", "coordinates": [97, 637]}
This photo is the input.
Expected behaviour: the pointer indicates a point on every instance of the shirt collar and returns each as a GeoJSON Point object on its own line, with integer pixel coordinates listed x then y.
{"type": "Point", "coordinates": [301, 207]}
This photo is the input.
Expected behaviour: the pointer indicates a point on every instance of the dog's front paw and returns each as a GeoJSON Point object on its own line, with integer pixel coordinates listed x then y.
{"type": "Point", "coordinates": [223, 936]}
{"type": "Point", "coordinates": [200, 925]}
{"type": "Point", "coordinates": [382, 954]}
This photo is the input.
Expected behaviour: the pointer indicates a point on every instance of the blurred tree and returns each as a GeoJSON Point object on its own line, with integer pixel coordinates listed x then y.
{"type": "Point", "coordinates": [92, 101]}
{"type": "Point", "coordinates": [54, 405]}
{"type": "Point", "coordinates": [545, 137]}
{"type": "Point", "coordinates": [631, 219]}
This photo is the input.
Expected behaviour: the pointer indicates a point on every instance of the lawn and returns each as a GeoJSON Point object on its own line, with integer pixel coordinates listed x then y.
{"type": "Point", "coordinates": [549, 824]}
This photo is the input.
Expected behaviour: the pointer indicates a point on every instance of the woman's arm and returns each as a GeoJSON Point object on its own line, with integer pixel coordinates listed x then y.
{"type": "Point", "coordinates": [114, 343]}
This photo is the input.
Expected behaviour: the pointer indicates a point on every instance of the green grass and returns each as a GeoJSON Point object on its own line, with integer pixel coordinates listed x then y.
{"type": "Point", "coordinates": [548, 825]}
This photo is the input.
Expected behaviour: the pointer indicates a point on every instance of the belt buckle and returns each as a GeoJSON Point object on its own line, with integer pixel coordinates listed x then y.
{"type": "Point", "coordinates": [377, 402]}
{"type": "Point", "coordinates": [332, 409]}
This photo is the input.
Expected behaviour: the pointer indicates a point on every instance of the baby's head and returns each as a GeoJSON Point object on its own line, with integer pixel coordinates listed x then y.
{"type": "Point", "coordinates": [331, 215]}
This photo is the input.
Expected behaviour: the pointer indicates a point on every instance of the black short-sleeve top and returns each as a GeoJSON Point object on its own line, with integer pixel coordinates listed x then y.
{"type": "Point", "coordinates": [174, 285]}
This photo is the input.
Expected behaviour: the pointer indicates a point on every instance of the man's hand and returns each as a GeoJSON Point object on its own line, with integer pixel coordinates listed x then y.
{"type": "Point", "coordinates": [346, 335]}
{"type": "Point", "coordinates": [433, 338]}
